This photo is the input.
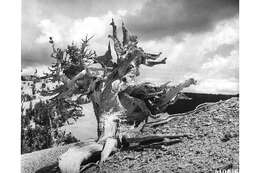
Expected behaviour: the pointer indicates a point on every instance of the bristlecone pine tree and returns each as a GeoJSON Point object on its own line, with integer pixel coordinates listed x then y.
{"type": "Point", "coordinates": [120, 105]}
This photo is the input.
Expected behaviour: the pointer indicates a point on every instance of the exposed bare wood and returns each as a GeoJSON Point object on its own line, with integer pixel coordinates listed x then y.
{"type": "Point", "coordinates": [118, 102]}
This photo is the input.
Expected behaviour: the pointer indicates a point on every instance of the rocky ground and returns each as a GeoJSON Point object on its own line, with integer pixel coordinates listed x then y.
{"type": "Point", "coordinates": [212, 145]}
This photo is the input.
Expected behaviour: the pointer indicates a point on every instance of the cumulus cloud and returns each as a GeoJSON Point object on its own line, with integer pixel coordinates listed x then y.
{"type": "Point", "coordinates": [199, 38]}
{"type": "Point", "coordinates": [198, 56]}
{"type": "Point", "coordinates": [158, 18]}
{"type": "Point", "coordinates": [223, 50]}
{"type": "Point", "coordinates": [64, 31]}
{"type": "Point", "coordinates": [67, 21]}
{"type": "Point", "coordinates": [216, 86]}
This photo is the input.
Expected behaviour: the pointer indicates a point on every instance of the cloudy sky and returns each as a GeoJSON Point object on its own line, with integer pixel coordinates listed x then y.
{"type": "Point", "coordinates": [199, 37]}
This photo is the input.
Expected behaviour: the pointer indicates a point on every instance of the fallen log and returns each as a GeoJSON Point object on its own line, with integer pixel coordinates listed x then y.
{"type": "Point", "coordinates": [78, 154]}
{"type": "Point", "coordinates": [37, 160]}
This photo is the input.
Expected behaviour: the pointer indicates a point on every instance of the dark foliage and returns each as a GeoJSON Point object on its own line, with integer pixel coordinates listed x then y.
{"type": "Point", "coordinates": [26, 97]}
{"type": "Point", "coordinates": [40, 124]}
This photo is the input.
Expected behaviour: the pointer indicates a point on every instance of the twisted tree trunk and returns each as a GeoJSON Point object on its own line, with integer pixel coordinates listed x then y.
{"type": "Point", "coordinates": [108, 109]}
{"type": "Point", "coordinates": [109, 112]}
{"type": "Point", "coordinates": [115, 98]}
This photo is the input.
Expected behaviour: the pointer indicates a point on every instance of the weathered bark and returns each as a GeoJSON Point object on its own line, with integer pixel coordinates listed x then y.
{"type": "Point", "coordinates": [106, 59]}
{"type": "Point", "coordinates": [116, 102]}
{"type": "Point", "coordinates": [134, 115]}
{"type": "Point", "coordinates": [109, 111]}
{"type": "Point", "coordinates": [70, 157]}
{"type": "Point", "coordinates": [117, 44]}
{"type": "Point", "coordinates": [70, 161]}
{"type": "Point", "coordinates": [35, 161]}
{"type": "Point", "coordinates": [172, 94]}
{"type": "Point", "coordinates": [125, 35]}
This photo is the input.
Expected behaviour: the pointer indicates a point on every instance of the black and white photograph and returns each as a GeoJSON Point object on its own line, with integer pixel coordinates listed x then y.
{"type": "Point", "coordinates": [118, 86]}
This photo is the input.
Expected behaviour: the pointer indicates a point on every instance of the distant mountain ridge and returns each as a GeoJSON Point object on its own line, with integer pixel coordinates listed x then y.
{"type": "Point", "coordinates": [182, 106]}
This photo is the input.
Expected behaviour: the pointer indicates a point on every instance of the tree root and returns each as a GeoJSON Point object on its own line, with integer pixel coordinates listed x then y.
{"type": "Point", "coordinates": [138, 147]}
{"type": "Point", "coordinates": [153, 141]}
{"type": "Point", "coordinates": [109, 146]}
{"type": "Point", "coordinates": [83, 168]}
{"type": "Point", "coordinates": [71, 161]}
{"type": "Point", "coordinates": [170, 117]}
